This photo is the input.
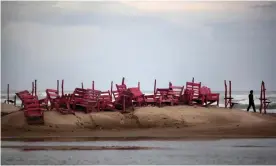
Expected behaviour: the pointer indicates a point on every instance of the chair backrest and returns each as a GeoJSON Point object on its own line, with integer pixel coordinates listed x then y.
{"type": "Point", "coordinates": [115, 94]}
{"type": "Point", "coordinates": [52, 94]}
{"type": "Point", "coordinates": [195, 87]}
{"type": "Point", "coordinates": [91, 94]}
{"type": "Point", "coordinates": [162, 91]}
{"type": "Point", "coordinates": [105, 96]}
{"type": "Point", "coordinates": [28, 99]}
{"type": "Point", "coordinates": [121, 88]}
{"type": "Point", "coordinates": [32, 105]}
{"type": "Point", "coordinates": [22, 93]}
{"type": "Point", "coordinates": [77, 95]}
{"type": "Point", "coordinates": [135, 92]}
{"type": "Point", "coordinates": [79, 92]}
{"type": "Point", "coordinates": [204, 90]}
{"type": "Point", "coordinates": [188, 92]}
{"type": "Point", "coordinates": [176, 91]}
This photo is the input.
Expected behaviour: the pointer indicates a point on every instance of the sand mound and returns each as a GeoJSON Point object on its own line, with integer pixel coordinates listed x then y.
{"type": "Point", "coordinates": [15, 119]}
{"type": "Point", "coordinates": [148, 117]}
{"type": "Point", "coordinates": [8, 108]}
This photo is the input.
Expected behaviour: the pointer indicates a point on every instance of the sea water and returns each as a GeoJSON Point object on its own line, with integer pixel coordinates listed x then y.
{"type": "Point", "coordinates": [215, 152]}
{"type": "Point", "coordinates": [241, 97]}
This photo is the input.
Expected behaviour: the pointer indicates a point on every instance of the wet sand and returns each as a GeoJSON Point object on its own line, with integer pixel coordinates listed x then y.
{"type": "Point", "coordinates": [218, 152]}
{"type": "Point", "coordinates": [149, 123]}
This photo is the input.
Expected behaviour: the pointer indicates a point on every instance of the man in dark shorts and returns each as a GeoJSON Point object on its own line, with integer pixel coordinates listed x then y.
{"type": "Point", "coordinates": [251, 101]}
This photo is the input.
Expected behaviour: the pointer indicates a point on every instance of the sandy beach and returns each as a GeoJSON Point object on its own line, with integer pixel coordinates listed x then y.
{"type": "Point", "coordinates": [8, 108]}
{"type": "Point", "coordinates": [167, 123]}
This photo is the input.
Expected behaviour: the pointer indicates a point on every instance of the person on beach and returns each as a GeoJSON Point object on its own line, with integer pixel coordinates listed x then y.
{"type": "Point", "coordinates": [251, 101]}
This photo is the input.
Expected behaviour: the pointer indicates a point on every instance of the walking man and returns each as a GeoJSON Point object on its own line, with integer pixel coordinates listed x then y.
{"type": "Point", "coordinates": [251, 101]}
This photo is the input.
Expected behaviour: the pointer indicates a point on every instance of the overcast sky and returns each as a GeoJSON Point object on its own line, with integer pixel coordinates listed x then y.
{"type": "Point", "coordinates": [169, 41]}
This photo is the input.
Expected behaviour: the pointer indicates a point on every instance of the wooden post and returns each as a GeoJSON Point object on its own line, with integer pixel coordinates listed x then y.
{"type": "Point", "coordinates": [14, 100]}
{"type": "Point", "coordinates": [225, 94]}
{"type": "Point", "coordinates": [264, 99]}
{"type": "Point", "coordinates": [139, 85]}
{"type": "Point", "coordinates": [154, 90]}
{"type": "Point", "coordinates": [8, 93]}
{"type": "Point", "coordinates": [261, 98]}
{"type": "Point", "coordinates": [93, 88]}
{"type": "Point", "coordinates": [32, 88]}
{"type": "Point", "coordinates": [230, 94]}
{"type": "Point", "coordinates": [62, 86]}
{"type": "Point", "coordinates": [58, 87]}
{"type": "Point", "coordinates": [35, 87]}
{"type": "Point", "coordinates": [170, 84]}
{"type": "Point", "coordinates": [123, 81]}
{"type": "Point", "coordinates": [111, 89]}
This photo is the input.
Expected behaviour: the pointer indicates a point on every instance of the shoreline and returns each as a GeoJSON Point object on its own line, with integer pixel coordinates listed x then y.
{"type": "Point", "coordinates": [126, 139]}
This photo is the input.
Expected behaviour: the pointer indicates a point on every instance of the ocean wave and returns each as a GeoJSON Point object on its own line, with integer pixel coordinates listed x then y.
{"type": "Point", "coordinates": [243, 101]}
{"type": "Point", "coordinates": [244, 106]}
